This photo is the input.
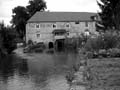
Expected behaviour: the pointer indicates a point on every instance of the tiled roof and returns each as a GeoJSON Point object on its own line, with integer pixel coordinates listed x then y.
{"type": "Point", "coordinates": [61, 16]}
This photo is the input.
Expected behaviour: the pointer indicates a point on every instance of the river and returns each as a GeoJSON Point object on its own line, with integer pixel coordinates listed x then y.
{"type": "Point", "coordinates": [39, 71]}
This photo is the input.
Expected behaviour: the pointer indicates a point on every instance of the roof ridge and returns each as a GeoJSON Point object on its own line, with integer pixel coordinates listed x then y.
{"type": "Point", "coordinates": [63, 12]}
{"type": "Point", "coordinates": [61, 16]}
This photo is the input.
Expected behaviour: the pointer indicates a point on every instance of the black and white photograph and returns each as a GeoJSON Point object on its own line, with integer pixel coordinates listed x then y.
{"type": "Point", "coordinates": [59, 44]}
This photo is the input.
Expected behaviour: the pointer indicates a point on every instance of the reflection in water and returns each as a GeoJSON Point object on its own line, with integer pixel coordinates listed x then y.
{"type": "Point", "coordinates": [6, 68]}
{"type": "Point", "coordinates": [10, 69]}
{"type": "Point", "coordinates": [9, 65]}
{"type": "Point", "coordinates": [38, 72]}
{"type": "Point", "coordinates": [22, 67]}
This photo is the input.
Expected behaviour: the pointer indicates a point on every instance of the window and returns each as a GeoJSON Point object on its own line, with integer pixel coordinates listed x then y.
{"type": "Point", "coordinates": [38, 35]}
{"type": "Point", "coordinates": [86, 24]}
{"type": "Point", "coordinates": [77, 22]}
{"type": "Point", "coordinates": [67, 33]}
{"type": "Point", "coordinates": [31, 25]}
{"type": "Point", "coordinates": [68, 25]}
{"type": "Point", "coordinates": [37, 26]}
{"type": "Point", "coordinates": [54, 25]}
{"type": "Point", "coordinates": [95, 18]}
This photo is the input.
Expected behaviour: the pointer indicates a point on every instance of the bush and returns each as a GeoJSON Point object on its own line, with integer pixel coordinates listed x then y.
{"type": "Point", "coordinates": [102, 53]}
{"type": "Point", "coordinates": [70, 77]}
{"type": "Point", "coordinates": [30, 42]}
{"type": "Point", "coordinates": [38, 50]}
{"type": "Point", "coordinates": [114, 52]}
{"type": "Point", "coordinates": [106, 41]}
{"type": "Point", "coordinates": [110, 40]}
{"type": "Point", "coordinates": [94, 44]}
{"type": "Point", "coordinates": [104, 45]}
{"type": "Point", "coordinates": [39, 47]}
{"type": "Point", "coordinates": [71, 43]}
{"type": "Point", "coordinates": [8, 40]}
{"type": "Point", "coordinates": [89, 54]}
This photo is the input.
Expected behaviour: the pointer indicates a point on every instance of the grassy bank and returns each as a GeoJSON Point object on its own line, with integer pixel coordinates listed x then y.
{"type": "Point", "coordinates": [104, 74]}
{"type": "Point", "coordinates": [97, 74]}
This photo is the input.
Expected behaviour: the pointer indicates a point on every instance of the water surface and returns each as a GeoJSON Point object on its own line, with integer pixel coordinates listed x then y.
{"type": "Point", "coordinates": [36, 71]}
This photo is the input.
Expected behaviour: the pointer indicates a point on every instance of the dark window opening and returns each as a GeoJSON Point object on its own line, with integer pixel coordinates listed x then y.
{"type": "Point", "coordinates": [51, 45]}
{"type": "Point", "coordinates": [38, 35]}
{"type": "Point", "coordinates": [59, 45]}
{"type": "Point", "coordinates": [37, 26]}
{"type": "Point", "coordinates": [68, 33]}
{"type": "Point", "coordinates": [54, 25]}
{"type": "Point", "coordinates": [86, 24]}
{"type": "Point", "coordinates": [67, 25]}
{"type": "Point", "coordinates": [77, 22]}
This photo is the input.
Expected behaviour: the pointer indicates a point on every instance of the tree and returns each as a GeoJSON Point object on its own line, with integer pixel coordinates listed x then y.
{"type": "Point", "coordinates": [110, 14]}
{"type": "Point", "coordinates": [19, 19]}
{"type": "Point", "coordinates": [7, 39]}
{"type": "Point", "coordinates": [36, 5]}
{"type": "Point", "coordinates": [9, 36]}
{"type": "Point", "coordinates": [22, 14]}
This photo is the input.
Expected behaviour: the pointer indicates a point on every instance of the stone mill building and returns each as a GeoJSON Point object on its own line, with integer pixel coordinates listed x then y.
{"type": "Point", "coordinates": [48, 27]}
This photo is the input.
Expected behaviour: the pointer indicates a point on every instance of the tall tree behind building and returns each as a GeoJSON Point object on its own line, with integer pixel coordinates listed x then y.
{"type": "Point", "coordinates": [36, 5]}
{"type": "Point", "coordinates": [110, 13]}
{"type": "Point", "coordinates": [19, 18]}
{"type": "Point", "coordinates": [22, 14]}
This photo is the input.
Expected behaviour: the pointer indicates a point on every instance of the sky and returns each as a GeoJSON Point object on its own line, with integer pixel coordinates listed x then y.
{"type": "Point", "coordinates": [6, 7]}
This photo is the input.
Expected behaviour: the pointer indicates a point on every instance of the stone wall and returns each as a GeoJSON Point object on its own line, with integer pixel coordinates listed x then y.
{"type": "Point", "coordinates": [42, 32]}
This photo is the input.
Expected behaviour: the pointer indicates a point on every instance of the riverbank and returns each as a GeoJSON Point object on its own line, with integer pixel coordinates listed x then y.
{"type": "Point", "coordinates": [105, 74]}
{"type": "Point", "coordinates": [98, 74]}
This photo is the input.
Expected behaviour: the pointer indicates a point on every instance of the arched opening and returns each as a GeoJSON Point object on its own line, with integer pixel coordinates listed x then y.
{"type": "Point", "coordinates": [51, 45]}
{"type": "Point", "coordinates": [59, 44]}
{"type": "Point", "coordinates": [30, 42]}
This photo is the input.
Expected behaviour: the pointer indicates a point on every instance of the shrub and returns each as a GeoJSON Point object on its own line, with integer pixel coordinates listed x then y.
{"type": "Point", "coordinates": [89, 54]}
{"type": "Point", "coordinates": [71, 43]}
{"type": "Point", "coordinates": [110, 40]}
{"type": "Point", "coordinates": [114, 52]}
{"type": "Point", "coordinates": [30, 42]}
{"type": "Point", "coordinates": [39, 47]}
{"type": "Point", "coordinates": [38, 50]}
{"type": "Point", "coordinates": [104, 45]}
{"type": "Point", "coordinates": [70, 77]}
{"type": "Point", "coordinates": [94, 44]}
{"type": "Point", "coordinates": [102, 52]}
{"type": "Point", "coordinates": [106, 41]}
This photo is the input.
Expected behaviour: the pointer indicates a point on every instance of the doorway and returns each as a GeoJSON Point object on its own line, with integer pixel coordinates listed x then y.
{"type": "Point", "coordinates": [59, 44]}
{"type": "Point", "coordinates": [51, 45]}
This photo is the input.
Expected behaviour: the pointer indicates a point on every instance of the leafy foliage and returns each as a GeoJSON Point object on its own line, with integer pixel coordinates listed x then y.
{"type": "Point", "coordinates": [106, 41]}
{"type": "Point", "coordinates": [8, 36]}
{"type": "Point", "coordinates": [22, 14]}
{"type": "Point", "coordinates": [35, 5]}
{"type": "Point", "coordinates": [106, 44]}
{"type": "Point", "coordinates": [20, 17]}
{"type": "Point", "coordinates": [110, 14]}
